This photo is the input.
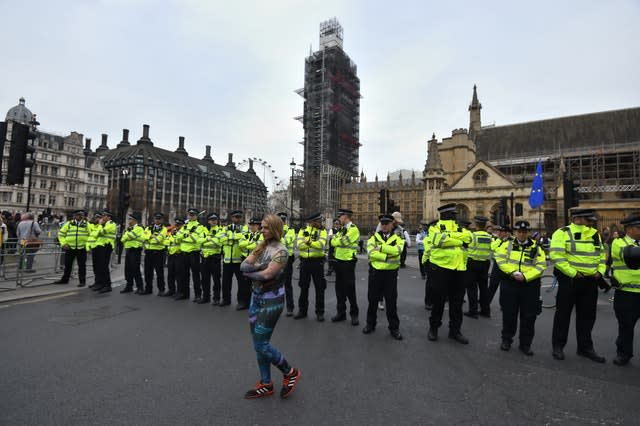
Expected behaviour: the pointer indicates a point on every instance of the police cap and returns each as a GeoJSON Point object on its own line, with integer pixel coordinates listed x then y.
{"type": "Point", "coordinates": [631, 220]}
{"type": "Point", "coordinates": [385, 218]}
{"type": "Point", "coordinates": [522, 225]}
{"type": "Point", "coordinates": [315, 217]}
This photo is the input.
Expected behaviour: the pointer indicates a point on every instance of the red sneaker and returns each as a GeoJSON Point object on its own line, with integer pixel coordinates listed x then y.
{"type": "Point", "coordinates": [261, 389]}
{"type": "Point", "coordinates": [289, 383]}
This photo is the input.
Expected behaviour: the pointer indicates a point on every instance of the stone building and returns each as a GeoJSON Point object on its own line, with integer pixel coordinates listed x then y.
{"type": "Point", "coordinates": [148, 179]}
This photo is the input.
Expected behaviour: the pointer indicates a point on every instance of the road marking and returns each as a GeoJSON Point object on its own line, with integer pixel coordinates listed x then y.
{"type": "Point", "coordinates": [39, 299]}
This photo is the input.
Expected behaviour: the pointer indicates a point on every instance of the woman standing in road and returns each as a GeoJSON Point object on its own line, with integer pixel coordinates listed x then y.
{"type": "Point", "coordinates": [264, 268]}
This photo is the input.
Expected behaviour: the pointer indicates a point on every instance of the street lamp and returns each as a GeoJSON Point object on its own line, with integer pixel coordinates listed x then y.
{"type": "Point", "coordinates": [123, 204]}
{"type": "Point", "coordinates": [293, 167]}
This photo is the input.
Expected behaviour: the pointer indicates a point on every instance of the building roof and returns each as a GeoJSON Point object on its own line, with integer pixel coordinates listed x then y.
{"type": "Point", "coordinates": [556, 135]}
{"type": "Point", "coordinates": [20, 113]}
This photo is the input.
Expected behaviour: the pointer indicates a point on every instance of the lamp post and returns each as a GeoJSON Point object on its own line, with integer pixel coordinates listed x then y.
{"type": "Point", "coordinates": [293, 168]}
{"type": "Point", "coordinates": [123, 204]}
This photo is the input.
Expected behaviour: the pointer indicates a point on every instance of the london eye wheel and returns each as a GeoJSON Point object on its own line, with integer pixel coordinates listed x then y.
{"type": "Point", "coordinates": [265, 172]}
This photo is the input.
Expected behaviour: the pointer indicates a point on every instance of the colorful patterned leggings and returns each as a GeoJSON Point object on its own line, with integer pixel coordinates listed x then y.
{"type": "Point", "coordinates": [264, 311]}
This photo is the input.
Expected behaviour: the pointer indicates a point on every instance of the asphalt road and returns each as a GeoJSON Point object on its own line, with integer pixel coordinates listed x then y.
{"type": "Point", "coordinates": [86, 359]}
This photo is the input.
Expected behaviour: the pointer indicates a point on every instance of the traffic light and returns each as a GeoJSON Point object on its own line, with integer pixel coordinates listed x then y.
{"type": "Point", "coordinates": [20, 153]}
{"type": "Point", "coordinates": [383, 201]}
{"type": "Point", "coordinates": [495, 217]}
{"type": "Point", "coordinates": [519, 209]}
{"type": "Point", "coordinates": [571, 194]}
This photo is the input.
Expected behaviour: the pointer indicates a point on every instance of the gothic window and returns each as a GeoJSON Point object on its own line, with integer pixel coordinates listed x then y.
{"type": "Point", "coordinates": [480, 178]}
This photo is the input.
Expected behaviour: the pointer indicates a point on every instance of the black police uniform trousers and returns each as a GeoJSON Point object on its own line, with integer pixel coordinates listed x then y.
{"type": "Point", "coordinates": [494, 282]}
{"type": "Point", "coordinates": [346, 287]}
{"type": "Point", "coordinates": [403, 255]}
{"type": "Point", "coordinates": [244, 286]}
{"type": "Point", "coordinates": [476, 277]}
{"type": "Point", "coordinates": [583, 294]}
{"type": "Point", "coordinates": [446, 284]}
{"type": "Point", "coordinates": [81, 256]}
{"type": "Point", "coordinates": [519, 299]}
{"type": "Point", "coordinates": [383, 284]}
{"type": "Point", "coordinates": [423, 271]}
{"type": "Point", "coordinates": [154, 262]}
{"type": "Point", "coordinates": [173, 262]}
{"type": "Point", "coordinates": [211, 269]}
{"type": "Point", "coordinates": [132, 273]}
{"type": "Point", "coordinates": [427, 285]}
{"type": "Point", "coordinates": [626, 305]}
{"type": "Point", "coordinates": [101, 258]}
{"type": "Point", "coordinates": [288, 288]}
{"type": "Point", "coordinates": [190, 270]}
{"type": "Point", "coordinates": [311, 268]}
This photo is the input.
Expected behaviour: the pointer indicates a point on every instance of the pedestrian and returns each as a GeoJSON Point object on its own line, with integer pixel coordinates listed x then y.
{"type": "Point", "coordinates": [264, 268]}
{"type": "Point", "coordinates": [154, 254]}
{"type": "Point", "coordinates": [522, 261]}
{"type": "Point", "coordinates": [625, 252]}
{"type": "Point", "coordinates": [478, 262]}
{"type": "Point", "coordinates": [578, 256]}
{"type": "Point", "coordinates": [402, 233]}
{"type": "Point", "coordinates": [132, 240]}
{"type": "Point", "coordinates": [230, 238]}
{"type": "Point", "coordinates": [4, 236]}
{"type": "Point", "coordinates": [211, 256]}
{"type": "Point", "coordinates": [27, 232]}
{"type": "Point", "coordinates": [190, 236]}
{"type": "Point", "coordinates": [288, 239]}
{"type": "Point", "coordinates": [447, 265]}
{"type": "Point", "coordinates": [311, 244]}
{"type": "Point", "coordinates": [174, 261]}
{"type": "Point", "coordinates": [105, 236]}
{"type": "Point", "coordinates": [345, 246]}
{"type": "Point", "coordinates": [73, 239]}
{"type": "Point", "coordinates": [420, 236]}
{"type": "Point", "coordinates": [384, 249]}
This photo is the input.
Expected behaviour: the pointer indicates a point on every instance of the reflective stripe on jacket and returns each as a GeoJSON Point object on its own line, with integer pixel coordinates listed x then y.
{"type": "Point", "coordinates": [74, 234]}
{"type": "Point", "coordinates": [385, 255]}
{"type": "Point", "coordinates": [311, 243]}
{"type": "Point", "coordinates": [230, 237]}
{"type": "Point", "coordinates": [133, 237]}
{"type": "Point", "coordinates": [527, 258]}
{"type": "Point", "coordinates": [447, 240]}
{"type": "Point", "coordinates": [480, 247]}
{"type": "Point", "coordinates": [577, 248]}
{"type": "Point", "coordinates": [629, 279]}
{"type": "Point", "coordinates": [345, 242]}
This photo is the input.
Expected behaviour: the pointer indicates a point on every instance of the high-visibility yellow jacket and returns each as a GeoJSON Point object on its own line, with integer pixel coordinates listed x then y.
{"type": "Point", "coordinates": [133, 237]}
{"type": "Point", "coordinates": [190, 236]}
{"type": "Point", "coordinates": [211, 243]}
{"type": "Point", "coordinates": [173, 246]}
{"type": "Point", "coordinates": [230, 237]}
{"type": "Point", "coordinates": [385, 255]}
{"type": "Point", "coordinates": [92, 237]}
{"type": "Point", "coordinates": [577, 248]}
{"type": "Point", "coordinates": [288, 239]}
{"type": "Point", "coordinates": [154, 237]}
{"type": "Point", "coordinates": [74, 234]}
{"type": "Point", "coordinates": [345, 242]}
{"type": "Point", "coordinates": [448, 240]}
{"type": "Point", "coordinates": [250, 242]}
{"type": "Point", "coordinates": [527, 258]}
{"type": "Point", "coordinates": [311, 242]}
{"type": "Point", "coordinates": [105, 234]}
{"type": "Point", "coordinates": [480, 247]}
{"type": "Point", "coordinates": [629, 279]}
{"type": "Point", "coordinates": [427, 246]}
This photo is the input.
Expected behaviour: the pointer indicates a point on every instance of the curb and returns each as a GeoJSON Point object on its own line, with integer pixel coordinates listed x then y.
{"type": "Point", "coordinates": [14, 295]}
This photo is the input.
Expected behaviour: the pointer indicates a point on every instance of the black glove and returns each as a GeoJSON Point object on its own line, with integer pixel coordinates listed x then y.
{"type": "Point", "coordinates": [306, 234]}
{"type": "Point", "coordinates": [603, 285]}
{"type": "Point", "coordinates": [465, 245]}
{"type": "Point", "coordinates": [392, 243]}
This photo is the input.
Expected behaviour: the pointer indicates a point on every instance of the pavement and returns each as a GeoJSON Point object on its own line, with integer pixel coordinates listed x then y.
{"type": "Point", "coordinates": [78, 358]}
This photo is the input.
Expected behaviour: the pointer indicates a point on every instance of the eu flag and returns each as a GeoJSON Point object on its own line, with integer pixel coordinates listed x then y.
{"type": "Point", "coordinates": [536, 198]}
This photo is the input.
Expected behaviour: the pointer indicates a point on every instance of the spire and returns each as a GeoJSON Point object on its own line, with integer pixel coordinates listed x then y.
{"type": "Point", "coordinates": [475, 122]}
{"type": "Point", "coordinates": [475, 104]}
{"type": "Point", "coordinates": [433, 157]}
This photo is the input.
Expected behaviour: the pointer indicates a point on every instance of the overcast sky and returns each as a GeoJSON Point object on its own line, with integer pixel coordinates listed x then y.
{"type": "Point", "coordinates": [223, 73]}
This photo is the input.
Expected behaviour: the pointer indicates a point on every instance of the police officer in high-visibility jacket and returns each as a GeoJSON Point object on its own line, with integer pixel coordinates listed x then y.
{"type": "Point", "coordinates": [174, 258]}
{"type": "Point", "coordinates": [73, 239]}
{"type": "Point", "coordinates": [211, 256]}
{"type": "Point", "coordinates": [522, 263]}
{"type": "Point", "coordinates": [154, 254]}
{"type": "Point", "coordinates": [311, 244]}
{"type": "Point", "coordinates": [190, 238]}
{"type": "Point", "coordinates": [447, 265]}
{"type": "Point", "coordinates": [478, 262]}
{"type": "Point", "coordinates": [230, 237]}
{"type": "Point", "coordinates": [503, 236]}
{"type": "Point", "coordinates": [91, 243]}
{"type": "Point", "coordinates": [132, 240]}
{"type": "Point", "coordinates": [426, 241]}
{"type": "Point", "coordinates": [251, 239]}
{"type": "Point", "coordinates": [345, 245]}
{"type": "Point", "coordinates": [579, 259]}
{"type": "Point", "coordinates": [626, 277]}
{"type": "Point", "coordinates": [105, 235]}
{"type": "Point", "coordinates": [385, 250]}
{"type": "Point", "coordinates": [288, 240]}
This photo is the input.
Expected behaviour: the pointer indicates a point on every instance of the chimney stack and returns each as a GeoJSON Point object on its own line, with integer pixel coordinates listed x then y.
{"type": "Point", "coordinates": [181, 149]}
{"type": "Point", "coordinates": [125, 138]}
{"type": "Point", "coordinates": [87, 146]}
{"type": "Point", "coordinates": [230, 163]}
{"type": "Point", "coordinates": [207, 156]}
{"type": "Point", "coordinates": [145, 136]}
{"type": "Point", "coordinates": [103, 146]}
{"type": "Point", "coordinates": [253, 172]}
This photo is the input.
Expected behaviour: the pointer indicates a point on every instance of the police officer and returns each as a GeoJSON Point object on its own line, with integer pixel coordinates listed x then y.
{"type": "Point", "coordinates": [385, 250]}
{"type": "Point", "coordinates": [174, 258]}
{"type": "Point", "coordinates": [249, 243]}
{"type": "Point", "coordinates": [447, 265]}
{"type": "Point", "coordinates": [579, 259]}
{"type": "Point", "coordinates": [345, 245]}
{"type": "Point", "coordinates": [288, 240]}
{"type": "Point", "coordinates": [230, 238]}
{"type": "Point", "coordinates": [503, 236]}
{"type": "Point", "coordinates": [420, 236]}
{"type": "Point", "coordinates": [154, 254]}
{"type": "Point", "coordinates": [105, 235]}
{"type": "Point", "coordinates": [91, 243]}
{"type": "Point", "coordinates": [522, 262]}
{"type": "Point", "coordinates": [479, 253]}
{"type": "Point", "coordinates": [311, 244]}
{"type": "Point", "coordinates": [331, 258]}
{"type": "Point", "coordinates": [424, 260]}
{"type": "Point", "coordinates": [73, 239]}
{"type": "Point", "coordinates": [132, 240]}
{"type": "Point", "coordinates": [190, 237]}
{"type": "Point", "coordinates": [211, 255]}
{"type": "Point", "coordinates": [625, 253]}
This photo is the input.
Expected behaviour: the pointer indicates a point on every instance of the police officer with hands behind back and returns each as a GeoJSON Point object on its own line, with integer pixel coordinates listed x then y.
{"type": "Point", "coordinates": [311, 243]}
{"type": "Point", "coordinates": [73, 237]}
{"type": "Point", "coordinates": [578, 256]}
{"type": "Point", "coordinates": [625, 252]}
{"type": "Point", "coordinates": [522, 263]}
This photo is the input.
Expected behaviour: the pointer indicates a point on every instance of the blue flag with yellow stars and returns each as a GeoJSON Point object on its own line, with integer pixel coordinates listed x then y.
{"type": "Point", "coordinates": [536, 198]}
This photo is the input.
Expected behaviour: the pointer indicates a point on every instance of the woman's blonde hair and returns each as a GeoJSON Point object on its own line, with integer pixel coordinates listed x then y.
{"type": "Point", "coordinates": [275, 227]}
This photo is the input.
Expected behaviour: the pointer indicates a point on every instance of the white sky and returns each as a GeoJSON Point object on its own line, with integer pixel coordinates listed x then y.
{"type": "Point", "coordinates": [223, 73]}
